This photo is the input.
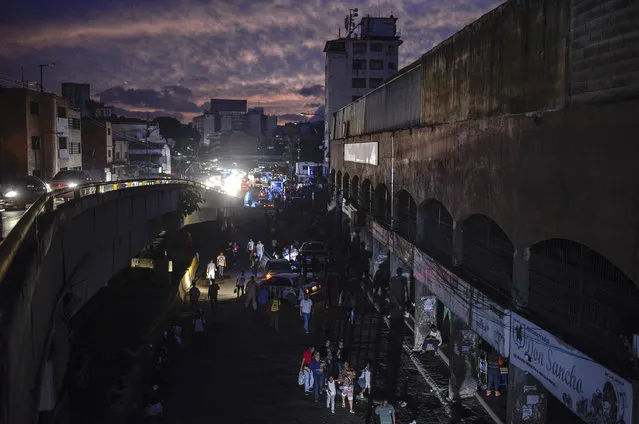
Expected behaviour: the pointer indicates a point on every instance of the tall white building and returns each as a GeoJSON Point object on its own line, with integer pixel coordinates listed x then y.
{"type": "Point", "coordinates": [355, 64]}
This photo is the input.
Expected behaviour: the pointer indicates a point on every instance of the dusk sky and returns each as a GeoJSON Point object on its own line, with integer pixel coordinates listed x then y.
{"type": "Point", "coordinates": [171, 57]}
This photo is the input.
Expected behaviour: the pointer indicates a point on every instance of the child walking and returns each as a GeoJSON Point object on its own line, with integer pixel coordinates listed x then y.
{"type": "Point", "coordinates": [331, 392]}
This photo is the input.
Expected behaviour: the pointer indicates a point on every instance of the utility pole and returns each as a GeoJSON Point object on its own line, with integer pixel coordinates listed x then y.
{"type": "Point", "coordinates": [148, 138]}
{"type": "Point", "coordinates": [44, 65]}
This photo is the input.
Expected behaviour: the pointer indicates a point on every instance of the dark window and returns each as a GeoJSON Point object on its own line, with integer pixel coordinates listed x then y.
{"type": "Point", "coordinates": [35, 142]}
{"type": "Point", "coordinates": [62, 112]}
{"type": "Point", "coordinates": [359, 82]}
{"type": "Point", "coordinates": [392, 66]}
{"type": "Point", "coordinates": [108, 131]}
{"type": "Point", "coordinates": [377, 65]}
{"type": "Point", "coordinates": [392, 50]}
{"type": "Point", "coordinates": [34, 107]}
{"type": "Point", "coordinates": [359, 48]}
{"type": "Point", "coordinates": [62, 143]}
{"type": "Point", "coordinates": [74, 148]}
{"type": "Point", "coordinates": [375, 82]}
{"type": "Point", "coordinates": [359, 65]}
{"type": "Point", "coordinates": [376, 47]}
{"type": "Point", "coordinates": [355, 98]}
{"type": "Point", "coordinates": [74, 123]}
{"type": "Point", "coordinates": [109, 153]}
{"type": "Point", "coordinates": [117, 155]}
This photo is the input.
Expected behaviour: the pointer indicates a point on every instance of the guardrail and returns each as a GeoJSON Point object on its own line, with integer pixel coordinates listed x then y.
{"type": "Point", "coordinates": [46, 203]}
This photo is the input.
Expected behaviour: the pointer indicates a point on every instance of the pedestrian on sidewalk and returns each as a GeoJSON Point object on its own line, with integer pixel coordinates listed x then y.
{"type": "Point", "coordinates": [274, 311]}
{"type": "Point", "coordinates": [327, 353]}
{"type": "Point", "coordinates": [251, 293]}
{"type": "Point", "coordinates": [194, 295]}
{"type": "Point", "coordinates": [364, 382]}
{"type": "Point", "coordinates": [385, 412]}
{"type": "Point", "coordinates": [214, 288]}
{"type": "Point", "coordinates": [198, 328]}
{"type": "Point", "coordinates": [239, 285]}
{"type": "Point", "coordinates": [347, 377]}
{"type": "Point", "coordinates": [210, 271]}
{"type": "Point", "coordinates": [306, 308]}
{"type": "Point", "coordinates": [221, 264]}
{"type": "Point", "coordinates": [317, 369]}
{"type": "Point", "coordinates": [255, 263]}
{"type": "Point", "coordinates": [305, 368]}
{"type": "Point", "coordinates": [331, 392]}
{"type": "Point", "coordinates": [250, 247]}
{"type": "Point", "coordinates": [341, 354]}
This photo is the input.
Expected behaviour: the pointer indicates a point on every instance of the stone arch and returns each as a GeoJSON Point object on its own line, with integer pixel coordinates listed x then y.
{"type": "Point", "coordinates": [346, 186]}
{"type": "Point", "coordinates": [488, 253]}
{"type": "Point", "coordinates": [338, 186]}
{"type": "Point", "coordinates": [366, 196]}
{"type": "Point", "coordinates": [354, 193]}
{"type": "Point", "coordinates": [435, 227]}
{"type": "Point", "coordinates": [581, 296]}
{"type": "Point", "coordinates": [406, 218]}
{"type": "Point", "coordinates": [332, 181]}
{"type": "Point", "coordinates": [382, 203]}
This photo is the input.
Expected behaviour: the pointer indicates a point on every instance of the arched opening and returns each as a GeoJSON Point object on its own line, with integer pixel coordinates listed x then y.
{"type": "Point", "coordinates": [435, 228]}
{"type": "Point", "coordinates": [346, 186]}
{"type": "Point", "coordinates": [382, 204]}
{"type": "Point", "coordinates": [488, 253]}
{"type": "Point", "coordinates": [332, 182]}
{"type": "Point", "coordinates": [338, 186]}
{"type": "Point", "coordinates": [586, 300]}
{"type": "Point", "coordinates": [355, 190]}
{"type": "Point", "coordinates": [406, 222]}
{"type": "Point", "coordinates": [366, 196]}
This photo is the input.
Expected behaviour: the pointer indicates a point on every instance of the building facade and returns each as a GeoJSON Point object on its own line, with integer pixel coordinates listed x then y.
{"type": "Point", "coordinates": [77, 96]}
{"type": "Point", "coordinates": [70, 141]}
{"type": "Point", "coordinates": [355, 64]}
{"type": "Point", "coordinates": [34, 132]}
{"type": "Point", "coordinates": [97, 148]}
{"type": "Point", "coordinates": [505, 181]}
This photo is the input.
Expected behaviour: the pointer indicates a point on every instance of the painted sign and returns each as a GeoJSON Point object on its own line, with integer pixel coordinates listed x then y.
{"type": "Point", "coordinates": [491, 322]}
{"type": "Point", "coordinates": [595, 394]}
{"type": "Point", "coordinates": [361, 153]}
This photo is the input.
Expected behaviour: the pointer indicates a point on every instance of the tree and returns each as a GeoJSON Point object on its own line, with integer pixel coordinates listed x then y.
{"type": "Point", "coordinates": [190, 199]}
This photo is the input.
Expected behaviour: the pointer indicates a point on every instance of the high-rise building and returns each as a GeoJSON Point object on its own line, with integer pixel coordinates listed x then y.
{"type": "Point", "coordinates": [362, 60]}
{"type": "Point", "coordinates": [77, 96]}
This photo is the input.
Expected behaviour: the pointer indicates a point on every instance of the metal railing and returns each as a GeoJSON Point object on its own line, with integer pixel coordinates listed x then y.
{"type": "Point", "coordinates": [46, 203]}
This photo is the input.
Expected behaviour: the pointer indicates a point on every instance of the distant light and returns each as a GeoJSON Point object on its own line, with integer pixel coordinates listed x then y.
{"type": "Point", "coordinates": [11, 193]}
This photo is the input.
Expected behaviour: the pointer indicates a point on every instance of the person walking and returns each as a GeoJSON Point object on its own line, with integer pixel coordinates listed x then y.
{"type": "Point", "coordinates": [250, 247]}
{"type": "Point", "coordinates": [385, 412]}
{"type": "Point", "coordinates": [347, 377]}
{"type": "Point", "coordinates": [214, 288]}
{"type": "Point", "coordinates": [194, 295]}
{"type": "Point", "coordinates": [317, 369]}
{"type": "Point", "coordinates": [274, 312]}
{"type": "Point", "coordinates": [398, 293]}
{"type": "Point", "coordinates": [341, 354]}
{"type": "Point", "coordinates": [494, 373]}
{"type": "Point", "coordinates": [331, 392]}
{"type": "Point", "coordinates": [239, 285]}
{"type": "Point", "coordinates": [306, 308]}
{"type": "Point", "coordinates": [305, 368]}
{"type": "Point", "coordinates": [364, 381]}
{"type": "Point", "coordinates": [259, 248]}
{"type": "Point", "coordinates": [198, 328]}
{"type": "Point", "coordinates": [221, 264]}
{"type": "Point", "coordinates": [255, 263]}
{"type": "Point", "coordinates": [210, 271]}
{"type": "Point", "coordinates": [251, 293]}
{"type": "Point", "coordinates": [274, 245]}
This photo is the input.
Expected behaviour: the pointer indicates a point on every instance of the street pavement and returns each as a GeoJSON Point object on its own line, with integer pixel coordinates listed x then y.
{"type": "Point", "coordinates": [9, 220]}
{"type": "Point", "coordinates": [247, 372]}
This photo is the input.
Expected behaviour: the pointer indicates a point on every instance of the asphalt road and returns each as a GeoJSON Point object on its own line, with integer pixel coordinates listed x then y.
{"type": "Point", "coordinates": [9, 220]}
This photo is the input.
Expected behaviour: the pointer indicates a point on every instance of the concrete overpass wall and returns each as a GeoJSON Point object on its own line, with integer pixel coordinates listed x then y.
{"type": "Point", "coordinates": [85, 243]}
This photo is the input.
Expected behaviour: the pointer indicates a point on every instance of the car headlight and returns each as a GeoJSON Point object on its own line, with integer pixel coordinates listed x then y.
{"type": "Point", "coordinates": [48, 187]}
{"type": "Point", "coordinates": [72, 185]}
{"type": "Point", "coordinates": [11, 193]}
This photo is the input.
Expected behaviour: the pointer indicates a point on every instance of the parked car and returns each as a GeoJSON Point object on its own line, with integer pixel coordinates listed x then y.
{"type": "Point", "coordinates": [20, 192]}
{"type": "Point", "coordinates": [290, 286]}
{"type": "Point", "coordinates": [312, 249]}
{"type": "Point", "coordinates": [70, 179]}
{"type": "Point", "coordinates": [277, 266]}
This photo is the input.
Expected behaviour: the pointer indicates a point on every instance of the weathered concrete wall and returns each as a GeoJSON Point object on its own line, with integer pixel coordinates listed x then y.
{"type": "Point", "coordinates": [604, 50]}
{"type": "Point", "coordinates": [511, 60]}
{"type": "Point", "coordinates": [570, 174]}
{"type": "Point", "coordinates": [88, 241]}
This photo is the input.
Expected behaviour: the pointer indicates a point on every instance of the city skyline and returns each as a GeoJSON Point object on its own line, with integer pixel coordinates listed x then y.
{"type": "Point", "coordinates": [171, 58]}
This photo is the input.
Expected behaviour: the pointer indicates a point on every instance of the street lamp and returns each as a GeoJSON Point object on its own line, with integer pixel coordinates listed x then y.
{"type": "Point", "coordinates": [44, 65]}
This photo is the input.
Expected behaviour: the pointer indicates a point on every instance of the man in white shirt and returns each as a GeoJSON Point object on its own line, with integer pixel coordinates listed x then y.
{"type": "Point", "coordinates": [250, 247]}
{"type": "Point", "coordinates": [210, 272]}
{"type": "Point", "coordinates": [433, 338]}
{"type": "Point", "coordinates": [260, 249]}
{"type": "Point", "coordinates": [306, 308]}
{"type": "Point", "coordinates": [221, 264]}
